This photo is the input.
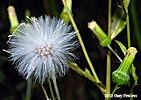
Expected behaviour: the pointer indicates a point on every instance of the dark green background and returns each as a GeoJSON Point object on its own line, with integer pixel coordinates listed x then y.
{"type": "Point", "coordinates": [71, 86]}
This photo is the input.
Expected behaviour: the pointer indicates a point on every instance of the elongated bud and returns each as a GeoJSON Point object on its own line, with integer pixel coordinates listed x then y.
{"type": "Point", "coordinates": [99, 33]}
{"type": "Point", "coordinates": [13, 18]}
{"type": "Point", "coordinates": [121, 75]}
{"type": "Point", "coordinates": [64, 15]}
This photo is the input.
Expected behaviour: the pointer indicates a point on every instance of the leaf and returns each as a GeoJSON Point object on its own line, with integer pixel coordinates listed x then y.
{"type": "Point", "coordinates": [87, 75]}
{"type": "Point", "coordinates": [118, 22]}
{"type": "Point", "coordinates": [122, 47]}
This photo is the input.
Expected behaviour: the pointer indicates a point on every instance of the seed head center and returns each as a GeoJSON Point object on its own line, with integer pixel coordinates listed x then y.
{"type": "Point", "coordinates": [44, 50]}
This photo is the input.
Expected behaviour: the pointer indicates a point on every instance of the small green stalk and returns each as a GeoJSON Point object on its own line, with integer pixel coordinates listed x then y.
{"type": "Point", "coordinates": [121, 75]}
{"type": "Point", "coordinates": [99, 33]}
{"type": "Point", "coordinates": [45, 92]}
{"type": "Point", "coordinates": [51, 89]}
{"type": "Point", "coordinates": [56, 87]}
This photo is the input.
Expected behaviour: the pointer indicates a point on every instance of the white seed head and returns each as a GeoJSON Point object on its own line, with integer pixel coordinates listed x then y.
{"type": "Point", "coordinates": [42, 48]}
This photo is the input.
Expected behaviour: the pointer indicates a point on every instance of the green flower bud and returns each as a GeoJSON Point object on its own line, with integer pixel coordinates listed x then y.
{"type": "Point", "coordinates": [121, 75]}
{"type": "Point", "coordinates": [99, 33]}
{"type": "Point", "coordinates": [13, 18]}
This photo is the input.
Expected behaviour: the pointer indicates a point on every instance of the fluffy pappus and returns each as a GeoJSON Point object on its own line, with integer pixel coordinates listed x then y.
{"type": "Point", "coordinates": [42, 47]}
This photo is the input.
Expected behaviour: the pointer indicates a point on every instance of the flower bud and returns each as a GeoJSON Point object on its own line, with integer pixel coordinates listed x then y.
{"type": "Point", "coordinates": [121, 75]}
{"type": "Point", "coordinates": [99, 33]}
{"type": "Point", "coordinates": [13, 18]}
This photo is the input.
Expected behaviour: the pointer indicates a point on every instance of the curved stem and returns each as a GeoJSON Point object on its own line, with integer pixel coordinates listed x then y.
{"type": "Point", "coordinates": [45, 93]}
{"type": "Point", "coordinates": [81, 41]}
{"type": "Point", "coordinates": [116, 87]}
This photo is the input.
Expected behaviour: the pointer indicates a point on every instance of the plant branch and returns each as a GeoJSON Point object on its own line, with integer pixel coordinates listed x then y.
{"type": "Point", "coordinates": [81, 41]}
{"type": "Point", "coordinates": [88, 75]}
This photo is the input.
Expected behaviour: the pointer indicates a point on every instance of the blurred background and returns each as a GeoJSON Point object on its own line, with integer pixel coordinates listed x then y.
{"type": "Point", "coordinates": [72, 86]}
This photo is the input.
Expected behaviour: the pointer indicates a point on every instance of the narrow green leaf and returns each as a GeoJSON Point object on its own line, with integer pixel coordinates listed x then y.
{"type": "Point", "coordinates": [122, 47]}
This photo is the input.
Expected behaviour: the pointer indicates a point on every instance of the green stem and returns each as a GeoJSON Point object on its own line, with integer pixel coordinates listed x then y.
{"type": "Point", "coordinates": [87, 75]}
{"type": "Point", "coordinates": [45, 93]}
{"type": "Point", "coordinates": [109, 18]}
{"type": "Point", "coordinates": [108, 70]}
{"type": "Point", "coordinates": [51, 90]}
{"type": "Point", "coordinates": [81, 41]}
{"type": "Point", "coordinates": [114, 53]}
{"type": "Point", "coordinates": [131, 92]}
{"type": "Point", "coordinates": [128, 31]}
{"type": "Point", "coordinates": [56, 87]}
{"type": "Point", "coordinates": [28, 89]}
{"type": "Point", "coordinates": [128, 25]}
{"type": "Point", "coordinates": [129, 43]}
{"type": "Point", "coordinates": [116, 87]}
{"type": "Point", "coordinates": [108, 73]}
